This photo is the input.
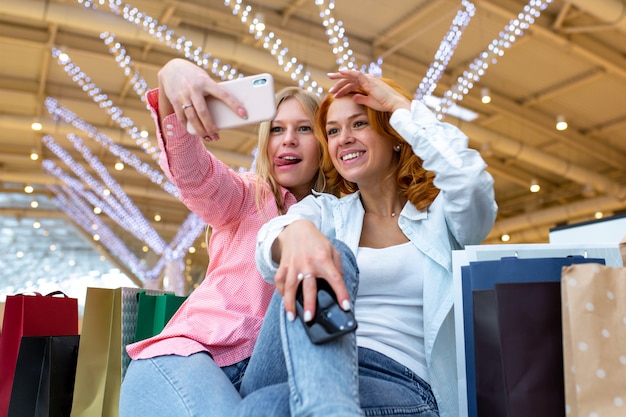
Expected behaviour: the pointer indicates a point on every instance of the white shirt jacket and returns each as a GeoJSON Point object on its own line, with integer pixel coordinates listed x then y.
{"type": "Point", "coordinates": [462, 214]}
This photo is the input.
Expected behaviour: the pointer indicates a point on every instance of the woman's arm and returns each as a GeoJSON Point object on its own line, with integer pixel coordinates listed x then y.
{"type": "Point", "coordinates": [294, 244]}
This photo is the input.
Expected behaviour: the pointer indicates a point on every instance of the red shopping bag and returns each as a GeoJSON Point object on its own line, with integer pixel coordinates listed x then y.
{"type": "Point", "coordinates": [54, 314]}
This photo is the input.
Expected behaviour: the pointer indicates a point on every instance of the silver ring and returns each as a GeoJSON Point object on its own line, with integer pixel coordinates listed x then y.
{"type": "Point", "coordinates": [186, 106]}
{"type": "Point", "coordinates": [302, 276]}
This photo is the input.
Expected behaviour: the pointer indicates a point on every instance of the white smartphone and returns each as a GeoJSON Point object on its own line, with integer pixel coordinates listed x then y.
{"type": "Point", "coordinates": [256, 93]}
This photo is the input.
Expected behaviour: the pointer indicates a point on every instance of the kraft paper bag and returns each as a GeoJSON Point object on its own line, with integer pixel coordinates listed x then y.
{"type": "Point", "coordinates": [54, 314]}
{"type": "Point", "coordinates": [44, 376]}
{"type": "Point", "coordinates": [594, 340]}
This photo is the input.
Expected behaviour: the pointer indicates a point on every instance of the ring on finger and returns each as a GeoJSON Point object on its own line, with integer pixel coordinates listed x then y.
{"type": "Point", "coordinates": [302, 276]}
{"type": "Point", "coordinates": [186, 106]}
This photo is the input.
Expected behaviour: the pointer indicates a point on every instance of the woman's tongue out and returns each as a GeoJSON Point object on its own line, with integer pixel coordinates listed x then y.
{"type": "Point", "coordinates": [286, 160]}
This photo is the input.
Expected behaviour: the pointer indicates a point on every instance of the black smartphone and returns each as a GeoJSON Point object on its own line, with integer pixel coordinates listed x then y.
{"type": "Point", "coordinates": [330, 319]}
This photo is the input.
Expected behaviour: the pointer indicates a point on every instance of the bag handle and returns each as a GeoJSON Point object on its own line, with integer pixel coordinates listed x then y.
{"type": "Point", "coordinates": [58, 292]}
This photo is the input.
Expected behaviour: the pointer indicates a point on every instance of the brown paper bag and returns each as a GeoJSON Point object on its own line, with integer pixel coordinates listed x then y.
{"type": "Point", "coordinates": [594, 339]}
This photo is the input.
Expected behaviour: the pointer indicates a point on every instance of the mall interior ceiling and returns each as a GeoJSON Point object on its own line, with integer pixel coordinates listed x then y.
{"type": "Point", "coordinates": [566, 61]}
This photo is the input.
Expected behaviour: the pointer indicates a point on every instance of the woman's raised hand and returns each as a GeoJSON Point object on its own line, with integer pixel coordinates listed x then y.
{"type": "Point", "coordinates": [183, 88]}
{"type": "Point", "coordinates": [380, 96]}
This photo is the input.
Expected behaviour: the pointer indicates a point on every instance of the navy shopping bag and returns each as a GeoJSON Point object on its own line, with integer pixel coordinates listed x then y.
{"type": "Point", "coordinates": [481, 276]}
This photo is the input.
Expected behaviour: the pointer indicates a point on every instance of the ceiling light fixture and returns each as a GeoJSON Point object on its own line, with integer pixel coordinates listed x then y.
{"type": "Point", "coordinates": [34, 155]}
{"type": "Point", "coordinates": [505, 237]}
{"type": "Point", "coordinates": [484, 95]}
{"type": "Point", "coordinates": [36, 125]}
{"type": "Point", "coordinates": [561, 123]}
{"type": "Point", "coordinates": [534, 186]}
{"type": "Point", "coordinates": [119, 166]}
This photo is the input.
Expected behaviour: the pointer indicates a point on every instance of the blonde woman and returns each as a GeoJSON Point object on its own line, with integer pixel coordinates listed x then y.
{"type": "Point", "coordinates": [195, 365]}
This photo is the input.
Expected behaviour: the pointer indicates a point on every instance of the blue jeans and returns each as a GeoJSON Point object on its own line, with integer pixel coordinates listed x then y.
{"type": "Point", "coordinates": [290, 376]}
{"type": "Point", "coordinates": [180, 386]}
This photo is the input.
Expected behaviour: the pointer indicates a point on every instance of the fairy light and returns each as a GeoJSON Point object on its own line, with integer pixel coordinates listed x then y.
{"type": "Point", "coordinates": [100, 98]}
{"type": "Point", "coordinates": [59, 112]}
{"type": "Point", "coordinates": [273, 44]}
{"type": "Point", "coordinates": [124, 61]}
{"type": "Point", "coordinates": [120, 217]}
{"type": "Point", "coordinates": [336, 33]}
{"type": "Point", "coordinates": [446, 50]}
{"type": "Point", "coordinates": [478, 67]}
{"type": "Point", "coordinates": [72, 205]}
{"type": "Point", "coordinates": [163, 34]}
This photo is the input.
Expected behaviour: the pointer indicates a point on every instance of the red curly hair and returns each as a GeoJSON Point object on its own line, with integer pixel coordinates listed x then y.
{"type": "Point", "coordinates": [414, 182]}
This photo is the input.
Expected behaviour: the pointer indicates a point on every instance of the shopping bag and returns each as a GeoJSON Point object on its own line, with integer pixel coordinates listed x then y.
{"type": "Point", "coordinates": [44, 377]}
{"type": "Point", "coordinates": [594, 339]}
{"type": "Point", "coordinates": [108, 326]}
{"type": "Point", "coordinates": [484, 275]}
{"type": "Point", "coordinates": [54, 314]}
{"type": "Point", "coordinates": [527, 359]}
{"type": "Point", "coordinates": [154, 311]}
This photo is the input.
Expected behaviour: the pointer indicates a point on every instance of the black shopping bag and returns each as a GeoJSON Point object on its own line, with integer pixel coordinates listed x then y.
{"type": "Point", "coordinates": [484, 275]}
{"type": "Point", "coordinates": [518, 350]}
{"type": "Point", "coordinates": [43, 383]}
{"type": "Point", "coordinates": [531, 341]}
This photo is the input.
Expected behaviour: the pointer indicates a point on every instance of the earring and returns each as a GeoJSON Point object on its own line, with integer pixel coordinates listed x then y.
{"type": "Point", "coordinates": [397, 147]}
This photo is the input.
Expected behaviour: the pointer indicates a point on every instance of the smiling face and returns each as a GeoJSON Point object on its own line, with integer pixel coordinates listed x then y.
{"type": "Point", "coordinates": [292, 149]}
{"type": "Point", "coordinates": [359, 153]}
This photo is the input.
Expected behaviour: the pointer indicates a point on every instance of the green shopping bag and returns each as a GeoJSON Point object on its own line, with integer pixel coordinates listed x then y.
{"type": "Point", "coordinates": [153, 313]}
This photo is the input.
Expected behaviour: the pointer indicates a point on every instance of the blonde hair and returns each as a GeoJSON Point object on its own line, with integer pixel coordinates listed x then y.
{"type": "Point", "coordinates": [310, 103]}
{"type": "Point", "coordinates": [414, 182]}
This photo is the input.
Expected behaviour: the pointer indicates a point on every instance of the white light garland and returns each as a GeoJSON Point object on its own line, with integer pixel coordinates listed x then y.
{"type": "Point", "coordinates": [100, 98]}
{"type": "Point", "coordinates": [60, 112]}
{"type": "Point", "coordinates": [72, 205]}
{"type": "Point", "coordinates": [511, 32]}
{"type": "Point", "coordinates": [139, 84]}
{"type": "Point", "coordinates": [336, 33]}
{"type": "Point", "coordinates": [446, 50]}
{"type": "Point", "coordinates": [274, 45]}
{"type": "Point", "coordinates": [115, 204]}
{"type": "Point", "coordinates": [161, 33]}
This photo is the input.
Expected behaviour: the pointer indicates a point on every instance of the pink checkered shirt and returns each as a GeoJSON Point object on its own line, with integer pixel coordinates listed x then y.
{"type": "Point", "coordinates": [223, 315]}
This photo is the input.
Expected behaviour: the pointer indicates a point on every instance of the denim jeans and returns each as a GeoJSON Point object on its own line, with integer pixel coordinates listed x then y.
{"type": "Point", "coordinates": [290, 376]}
{"type": "Point", "coordinates": [180, 386]}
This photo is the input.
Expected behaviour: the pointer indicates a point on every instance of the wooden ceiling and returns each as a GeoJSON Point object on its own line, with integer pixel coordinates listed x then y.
{"type": "Point", "coordinates": [570, 62]}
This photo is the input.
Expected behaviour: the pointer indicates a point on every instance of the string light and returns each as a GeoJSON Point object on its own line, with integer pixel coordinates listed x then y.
{"type": "Point", "coordinates": [446, 50]}
{"type": "Point", "coordinates": [478, 67]}
{"type": "Point", "coordinates": [273, 44]}
{"type": "Point", "coordinates": [59, 112]}
{"type": "Point", "coordinates": [336, 33]}
{"type": "Point", "coordinates": [161, 33]}
{"type": "Point", "coordinates": [100, 98]}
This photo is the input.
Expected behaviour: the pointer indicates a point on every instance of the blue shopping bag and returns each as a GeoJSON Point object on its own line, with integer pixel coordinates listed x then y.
{"type": "Point", "coordinates": [479, 281]}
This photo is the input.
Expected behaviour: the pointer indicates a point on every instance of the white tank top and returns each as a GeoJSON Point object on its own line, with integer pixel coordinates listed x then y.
{"type": "Point", "coordinates": [389, 305]}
